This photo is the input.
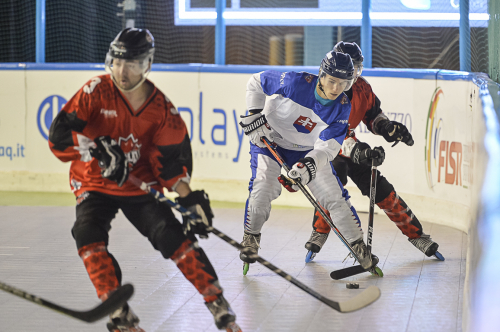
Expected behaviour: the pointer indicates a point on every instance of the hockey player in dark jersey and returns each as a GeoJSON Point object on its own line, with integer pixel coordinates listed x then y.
{"type": "Point", "coordinates": [366, 108]}
{"type": "Point", "coordinates": [120, 124]}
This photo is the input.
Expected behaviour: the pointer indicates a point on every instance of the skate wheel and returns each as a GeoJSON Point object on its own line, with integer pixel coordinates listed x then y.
{"type": "Point", "coordinates": [439, 256]}
{"type": "Point", "coordinates": [245, 268]}
{"type": "Point", "coordinates": [376, 271]}
{"type": "Point", "coordinates": [310, 256]}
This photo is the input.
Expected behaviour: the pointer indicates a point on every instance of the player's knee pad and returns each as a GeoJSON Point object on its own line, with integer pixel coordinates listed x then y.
{"type": "Point", "coordinates": [194, 264]}
{"type": "Point", "coordinates": [86, 232]}
{"type": "Point", "coordinates": [102, 268]}
{"type": "Point", "coordinates": [168, 238]}
{"type": "Point", "coordinates": [384, 187]}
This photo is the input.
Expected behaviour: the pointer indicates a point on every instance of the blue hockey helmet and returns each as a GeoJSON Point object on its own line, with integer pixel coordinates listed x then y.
{"type": "Point", "coordinates": [338, 65]}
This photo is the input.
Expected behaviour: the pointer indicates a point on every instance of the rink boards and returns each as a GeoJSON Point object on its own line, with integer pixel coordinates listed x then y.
{"type": "Point", "coordinates": [439, 176]}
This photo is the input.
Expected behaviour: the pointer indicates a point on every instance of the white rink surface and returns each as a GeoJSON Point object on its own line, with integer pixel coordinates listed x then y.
{"type": "Point", "coordinates": [38, 255]}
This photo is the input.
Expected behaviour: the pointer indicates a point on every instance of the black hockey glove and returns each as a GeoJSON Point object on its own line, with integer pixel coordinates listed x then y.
{"type": "Point", "coordinates": [395, 132]}
{"type": "Point", "coordinates": [196, 202]}
{"type": "Point", "coordinates": [112, 160]}
{"type": "Point", "coordinates": [362, 154]}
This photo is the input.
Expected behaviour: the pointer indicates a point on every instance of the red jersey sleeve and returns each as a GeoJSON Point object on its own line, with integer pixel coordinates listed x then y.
{"type": "Point", "coordinates": [65, 136]}
{"type": "Point", "coordinates": [369, 104]}
{"type": "Point", "coordinates": [171, 158]}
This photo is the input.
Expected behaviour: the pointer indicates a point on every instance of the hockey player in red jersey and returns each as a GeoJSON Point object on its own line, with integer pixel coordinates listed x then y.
{"type": "Point", "coordinates": [365, 106]}
{"type": "Point", "coordinates": [117, 124]}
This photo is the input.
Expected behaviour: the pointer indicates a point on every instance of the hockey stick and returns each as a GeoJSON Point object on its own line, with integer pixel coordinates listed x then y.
{"type": "Point", "coordinates": [311, 199]}
{"type": "Point", "coordinates": [357, 269]}
{"type": "Point", "coordinates": [116, 300]}
{"type": "Point", "coordinates": [360, 301]}
{"type": "Point", "coordinates": [373, 190]}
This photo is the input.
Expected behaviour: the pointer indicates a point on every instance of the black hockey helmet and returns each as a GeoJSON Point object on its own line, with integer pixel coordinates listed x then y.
{"type": "Point", "coordinates": [135, 47]}
{"type": "Point", "coordinates": [132, 44]}
{"type": "Point", "coordinates": [352, 49]}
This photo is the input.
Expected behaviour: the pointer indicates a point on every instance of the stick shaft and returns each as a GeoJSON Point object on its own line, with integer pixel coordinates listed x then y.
{"type": "Point", "coordinates": [311, 199]}
{"type": "Point", "coordinates": [160, 197]}
{"type": "Point", "coordinates": [373, 191]}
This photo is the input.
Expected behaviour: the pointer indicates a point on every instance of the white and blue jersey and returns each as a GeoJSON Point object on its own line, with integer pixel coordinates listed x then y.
{"type": "Point", "coordinates": [308, 126]}
{"type": "Point", "coordinates": [302, 121]}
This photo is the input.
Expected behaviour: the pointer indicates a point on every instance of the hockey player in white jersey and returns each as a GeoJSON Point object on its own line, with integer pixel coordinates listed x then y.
{"type": "Point", "coordinates": [307, 120]}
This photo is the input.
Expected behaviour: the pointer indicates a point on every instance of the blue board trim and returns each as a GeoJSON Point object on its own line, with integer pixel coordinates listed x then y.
{"type": "Point", "coordinates": [430, 74]}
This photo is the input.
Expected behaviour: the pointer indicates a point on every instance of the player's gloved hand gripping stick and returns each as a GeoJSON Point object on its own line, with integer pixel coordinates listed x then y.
{"type": "Point", "coordinates": [197, 203]}
{"type": "Point", "coordinates": [361, 300]}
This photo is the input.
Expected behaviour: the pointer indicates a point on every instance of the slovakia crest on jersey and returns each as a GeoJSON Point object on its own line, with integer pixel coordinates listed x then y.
{"type": "Point", "coordinates": [130, 147]}
{"type": "Point", "coordinates": [304, 125]}
{"type": "Point", "coordinates": [309, 78]}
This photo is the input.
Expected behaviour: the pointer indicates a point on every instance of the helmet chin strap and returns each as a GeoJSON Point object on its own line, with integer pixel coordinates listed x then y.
{"type": "Point", "coordinates": [320, 86]}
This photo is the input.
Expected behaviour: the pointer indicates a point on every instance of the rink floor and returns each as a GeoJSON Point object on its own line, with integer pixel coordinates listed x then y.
{"type": "Point", "coordinates": [38, 255]}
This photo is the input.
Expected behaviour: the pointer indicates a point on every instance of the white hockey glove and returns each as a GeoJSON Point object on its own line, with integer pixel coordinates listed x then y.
{"type": "Point", "coordinates": [255, 127]}
{"type": "Point", "coordinates": [112, 160]}
{"type": "Point", "coordinates": [303, 171]}
{"type": "Point", "coordinates": [196, 202]}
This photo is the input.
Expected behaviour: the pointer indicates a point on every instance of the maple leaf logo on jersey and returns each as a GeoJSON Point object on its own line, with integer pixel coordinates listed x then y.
{"type": "Point", "coordinates": [304, 125]}
{"type": "Point", "coordinates": [309, 78]}
{"type": "Point", "coordinates": [130, 147]}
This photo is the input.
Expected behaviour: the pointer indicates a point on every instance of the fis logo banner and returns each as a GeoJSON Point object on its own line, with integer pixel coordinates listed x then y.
{"type": "Point", "coordinates": [446, 161]}
{"type": "Point", "coordinates": [304, 125]}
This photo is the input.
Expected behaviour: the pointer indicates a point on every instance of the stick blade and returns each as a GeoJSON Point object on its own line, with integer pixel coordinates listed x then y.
{"type": "Point", "coordinates": [365, 298]}
{"type": "Point", "coordinates": [114, 302]}
{"type": "Point", "coordinates": [347, 272]}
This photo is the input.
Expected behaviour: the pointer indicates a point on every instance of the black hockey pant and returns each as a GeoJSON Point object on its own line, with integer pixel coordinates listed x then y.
{"type": "Point", "coordinates": [156, 221]}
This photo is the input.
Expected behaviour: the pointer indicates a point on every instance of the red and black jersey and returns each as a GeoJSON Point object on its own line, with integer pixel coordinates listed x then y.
{"type": "Point", "coordinates": [365, 106]}
{"type": "Point", "coordinates": [154, 138]}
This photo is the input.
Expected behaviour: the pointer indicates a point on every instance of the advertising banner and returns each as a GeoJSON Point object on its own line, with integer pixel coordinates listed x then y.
{"type": "Point", "coordinates": [436, 175]}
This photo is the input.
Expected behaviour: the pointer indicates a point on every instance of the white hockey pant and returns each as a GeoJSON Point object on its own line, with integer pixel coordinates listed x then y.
{"type": "Point", "coordinates": [329, 192]}
{"type": "Point", "coordinates": [265, 189]}
{"type": "Point", "coordinates": [326, 188]}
